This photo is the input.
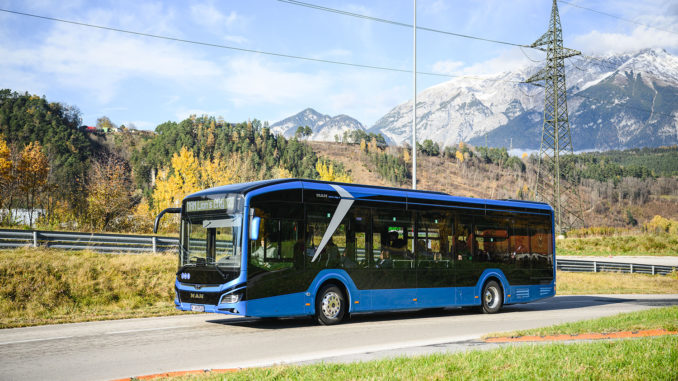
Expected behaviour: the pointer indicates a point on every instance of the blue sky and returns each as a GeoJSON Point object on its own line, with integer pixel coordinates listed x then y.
{"type": "Point", "coordinates": [147, 81]}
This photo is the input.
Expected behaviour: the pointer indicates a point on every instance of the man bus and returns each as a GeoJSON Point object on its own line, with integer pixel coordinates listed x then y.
{"type": "Point", "coordinates": [295, 247]}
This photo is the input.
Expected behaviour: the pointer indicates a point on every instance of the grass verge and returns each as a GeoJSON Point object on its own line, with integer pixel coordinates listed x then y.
{"type": "Point", "coordinates": [641, 359]}
{"type": "Point", "coordinates": [47, 286]}
{"type": "Point", "coordinates": [44, 286]}
{"type": "Point", "coordinates": [642, 244]}
{"type": "Point", "coordinates": [654, 318]}
{"type": "Point", "coordinates": [570, 283]}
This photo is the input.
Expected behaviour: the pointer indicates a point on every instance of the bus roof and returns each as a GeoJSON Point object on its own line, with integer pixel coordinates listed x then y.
{"type": "Point", "coordinates": [369, 190]}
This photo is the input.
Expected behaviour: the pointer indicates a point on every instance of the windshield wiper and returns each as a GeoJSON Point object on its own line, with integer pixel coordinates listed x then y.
{"type": "Point", "coordinates": [219, 270]}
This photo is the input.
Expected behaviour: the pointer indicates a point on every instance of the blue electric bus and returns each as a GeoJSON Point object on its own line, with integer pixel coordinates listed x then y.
{"type": "Point", "coordinates": [294, 247]}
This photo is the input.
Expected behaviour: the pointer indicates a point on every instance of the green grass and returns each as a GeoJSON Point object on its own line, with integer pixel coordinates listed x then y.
{"type": "Point", "coordinates": [641, 359]}
{"type": "Point", "coordinates": [643, 244]}
{"type": "Point", "coordinates": [635, 359]}
{"type": "Point", "coordinates": [44, 286]}
{"type": "Point", "coordinates": [654, 318]}
{"type": "Point", "coordinates": [571, 283]}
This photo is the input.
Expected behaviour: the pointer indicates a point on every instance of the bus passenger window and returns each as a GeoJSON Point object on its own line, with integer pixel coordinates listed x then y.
{"type": "Point", "coordinates": [463, 239]}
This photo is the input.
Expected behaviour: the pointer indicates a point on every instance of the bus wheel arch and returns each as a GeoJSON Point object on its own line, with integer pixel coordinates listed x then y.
{"type": "Point", "coordinates": [492, 295]}
{"type": "Point", "coordinates": [331, 302]}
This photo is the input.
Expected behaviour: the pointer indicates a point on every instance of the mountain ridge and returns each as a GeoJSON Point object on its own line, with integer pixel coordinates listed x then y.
{"type": "Point", "coordinates": [323, 127]}
{"type": "Point", "coordinates": [502, 111]}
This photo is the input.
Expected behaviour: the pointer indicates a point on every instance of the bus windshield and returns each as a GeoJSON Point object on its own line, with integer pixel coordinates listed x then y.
{"type": "Point", "coordinates": [211, 241]}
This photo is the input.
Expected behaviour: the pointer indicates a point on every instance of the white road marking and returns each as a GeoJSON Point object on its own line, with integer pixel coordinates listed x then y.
{"type": "Point", "coordinates": [32, 340]}
{"type": "Point", "coordinates": [146, 329]}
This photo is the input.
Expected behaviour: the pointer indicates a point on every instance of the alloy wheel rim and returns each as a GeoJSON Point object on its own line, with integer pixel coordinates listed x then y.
{"type": "Point", "coordinates": [331, 305]}
{"type": "Point", "coordinates": [491, 297]}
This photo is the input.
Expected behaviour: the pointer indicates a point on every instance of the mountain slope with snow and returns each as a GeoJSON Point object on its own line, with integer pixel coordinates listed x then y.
{"type": "Point", "coordinates": [324, 127]}
{"type": "Point", "coordinates": [615, 102]}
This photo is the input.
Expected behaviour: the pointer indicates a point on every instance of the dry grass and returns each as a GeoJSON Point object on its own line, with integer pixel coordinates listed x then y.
{"type": "Point", "coordinates": [641, 244]}
{"type": "Point", "coordinates": [43, 286]}
{"type": "Point", "coordinates": [614, 283]}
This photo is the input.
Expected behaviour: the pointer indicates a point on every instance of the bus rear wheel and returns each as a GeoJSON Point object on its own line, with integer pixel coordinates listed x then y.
{"type": "Point", "coordinates": [330, 305]}
{"type": "Point", "coordinates": [492, 298]}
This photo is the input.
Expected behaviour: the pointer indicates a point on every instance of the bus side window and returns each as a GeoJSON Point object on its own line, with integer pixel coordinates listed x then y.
{"type": "Point", "coordinates": [318, 220]}
{"type": "Point", "coordinates": [291, 245]}
{"type": "Point", "coordinates": [463, 239]}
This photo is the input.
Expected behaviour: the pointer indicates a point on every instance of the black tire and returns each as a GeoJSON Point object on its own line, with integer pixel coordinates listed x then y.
{"type": "Point", "coordinates": [492, 298]}
{"type": "Point", "coordinates": [330, 305]}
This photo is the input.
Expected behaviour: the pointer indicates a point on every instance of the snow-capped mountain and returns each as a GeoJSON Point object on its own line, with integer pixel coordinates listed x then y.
{"type": "Point", "coordinates": [324, 127]}
{"type": "Point", "coordinates": [614, 102]}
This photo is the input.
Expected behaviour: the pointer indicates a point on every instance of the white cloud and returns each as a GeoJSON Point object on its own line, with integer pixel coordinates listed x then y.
{"type": "Point", "coordinates": [237, 39]}
{"type": "Point", "coordinates": [447, 67]}
{"type": "Point", "coordinates": [209, 15]}
{"type": "Point", "coordinates": [600, 43]}
{"type": "Point", "coordinates": [508, 60]}
{"type": "Point", "coordinates": [251, 80]}
{"type": "Point", "coordinates": [98, 61]}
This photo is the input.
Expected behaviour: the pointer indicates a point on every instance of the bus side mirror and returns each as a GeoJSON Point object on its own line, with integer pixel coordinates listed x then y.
{"type": "Point", "coordinates": [254, 228]}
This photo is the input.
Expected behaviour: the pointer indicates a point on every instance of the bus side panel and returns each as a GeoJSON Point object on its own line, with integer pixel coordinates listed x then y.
{"type": "Point", "coordinates": [436, 297]}
{"type": "Point", "coordinates": [393, 299]}
{"type": "Point", "coordinates": [525, 294]}
{"type": "Point", "coordinates": [283, 305]}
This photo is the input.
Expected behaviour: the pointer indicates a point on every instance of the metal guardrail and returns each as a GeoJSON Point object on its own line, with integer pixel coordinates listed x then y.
{"type": "Point", "coordinates": [111, 243]}
{"type": "Point", "coordinates": [598, 266]}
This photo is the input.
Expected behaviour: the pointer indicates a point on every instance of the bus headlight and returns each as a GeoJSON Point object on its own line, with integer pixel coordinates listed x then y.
{"type": "Point", "coordinates": [230, 298]}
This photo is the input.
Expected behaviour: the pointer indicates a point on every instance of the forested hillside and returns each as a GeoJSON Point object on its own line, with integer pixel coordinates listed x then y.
{"type": "Point", "coordinates": [116, 181]}
{"type": "Point", "coordinates": [26, 119]}
{"type": "Point", "coordinates": [612, 194]}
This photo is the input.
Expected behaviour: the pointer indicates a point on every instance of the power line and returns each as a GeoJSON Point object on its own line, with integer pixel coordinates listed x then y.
{"type": "Point", "coordinates": [213, 45]}
{"type": "Point", "coordinates": [397, 23]}
{"type": "Point", "coordinates": [405, 25]}
{"type": "Point", "coordinates": [614, 16]}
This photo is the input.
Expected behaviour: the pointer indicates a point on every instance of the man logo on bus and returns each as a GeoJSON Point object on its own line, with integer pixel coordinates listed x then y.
{"type": "Point", "coordinates": [185, 276]}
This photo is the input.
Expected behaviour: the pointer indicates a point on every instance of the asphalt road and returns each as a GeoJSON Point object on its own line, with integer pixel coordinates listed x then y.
{"type": "Point", "coordinates": [123, 348]}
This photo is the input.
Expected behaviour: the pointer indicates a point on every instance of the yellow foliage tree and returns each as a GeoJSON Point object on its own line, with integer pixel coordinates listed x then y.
{"type": "Point", "coordinates": [406, 156]}
{"type": "Point", "coordinates": [32, 169]}
{"type": "Point", "coordinates": [6, 178]}
{"type": "Point", "coordinates": [282, 173]}
{"type": "Point", "coordinates": [363, 145]}
{"type": "Point", "coordinates": [659, 224]}
{"type": "Point", "coordinates": [216, 172]}
{"type": "Point", "coordinates": [372, 146]}
{"type": "Point", "coordinates": [173, 185]}
{"type": "Point", "coordinates": [326, 172]}
{"type": "Point", "coordinates": [460, 156]}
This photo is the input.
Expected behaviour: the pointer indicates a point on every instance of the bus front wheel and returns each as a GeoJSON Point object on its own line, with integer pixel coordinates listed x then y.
{"type": "Point", "coordinates": [330, 305]}
{"type": "Point", "coordinates": [492, 297]}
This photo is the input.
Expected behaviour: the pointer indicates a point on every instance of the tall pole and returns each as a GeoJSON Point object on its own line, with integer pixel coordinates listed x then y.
{"type": "Point", "coordinates": [414, 104]}
{"type": "Point", "coordinates": [552, 184]}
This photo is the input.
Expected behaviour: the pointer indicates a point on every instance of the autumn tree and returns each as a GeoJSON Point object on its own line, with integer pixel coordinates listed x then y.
{"type": "Point", "coordinates": [110, 194]}
{"type": "Point", "coordinates": [327, 172]}
{"type": "Point", "coordinates": [6, 177]}
{"type": "Point", "coordinates": [176, 182]}
{"type": "Point", "coordinates": [32, 171]}
{"type": "Point", "coordinates": [218, 172]}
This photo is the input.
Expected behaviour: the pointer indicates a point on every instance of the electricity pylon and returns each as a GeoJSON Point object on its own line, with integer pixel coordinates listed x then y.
{"type": "Point", "coordinates": [554, 185]}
